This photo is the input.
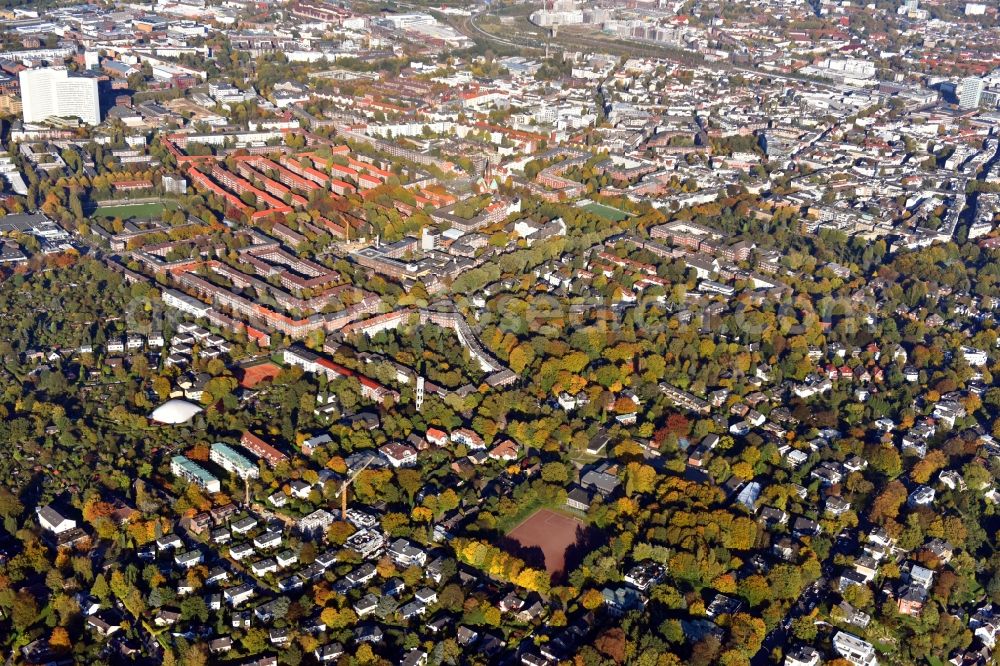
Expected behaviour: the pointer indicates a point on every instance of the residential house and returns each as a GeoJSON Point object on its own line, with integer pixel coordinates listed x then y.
{"type": "Point", "coordinates": [921, 496]}
{"type": "Point", "coordinates": [414, 657]}
{"type": "Point", "coordinates": [940, 549]}
{"type": "Point", "coordinates": [911, 600]}
{"type": "Point", "coordinates": [849, 578]}
{"type": "Point", "coordinates": [406, 554]}
{"type": "Point", "coordinates": [772, 516]}
{"type": "Point", "coordinates": [723, 605]}
{"type": "Point", "coordinates": [328, 653]}
{"type": "Point", "coordinates": [263, 567]}
{"type": "Point", "coordinates": [165, 617]}
{"type": "Point", "coordinates": [399, 455]}
{"type": "Point", "coordinates": [802, 655]}
{"type": "Point", "coordinates": [603, 479]}
{"type": "Point", "coordinates": [188, 559]}
{"type": "Point", "coordinates": [104, 627]}
{"type": "Point", "coordinates": [220, 645]}
{"type": "Point", "coordinates": [436, 437]}
{"type": "Point", "coordinates": [854, 650]}
{"type": "Point", "coordinates": [300, 489]}
{"type": "Point", "coordinates": [579, 499]}
{"type": "Point", "coordinates": [620, 600]}
{"type": "Point", "coordinates": [467, 438]}
{"type": "Point", "coordinates": [852, 615]}
{"type": "Point", "coordinates": [803, 526]}
{"type": "Point", "coordinates": [644, 575]}
{"type": "Point", "coordinates": [985, 624]}
{"type": "Point", "coordinates": [53, 521]}
{"type": "Point", "coordinates": [426, 596]}
{"type": "Point", "coordinates": [506, 451]}
{"type": "Point", "coordinates": [836, 506]}
{"type": "Point", "coordinates": [234, 596]}
{"type": "Point", "coordinates": [412, 610]}
{"type": "Point", "coordinates": [951, 479]}
{"type": "Point", "coordinates": [267, 540]}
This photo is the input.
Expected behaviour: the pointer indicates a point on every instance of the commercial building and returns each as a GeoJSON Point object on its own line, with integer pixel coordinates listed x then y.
{"type": "Point", "coordinates": [50, 92]}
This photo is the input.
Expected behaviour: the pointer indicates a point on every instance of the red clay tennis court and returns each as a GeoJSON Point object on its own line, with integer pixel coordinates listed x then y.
{"type": "Point", "coordinates": [252, 375]}
{"type": "Point", "coordinates": [551, 532]}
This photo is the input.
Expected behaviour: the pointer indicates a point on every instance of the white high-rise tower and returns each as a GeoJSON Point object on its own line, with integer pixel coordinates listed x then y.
{"type": "Point", "coordinates": [49, 92]}
{"type": "Point", "coordinates": [969, 91]}
{"type": "Point", "coordinates": [418, 398]}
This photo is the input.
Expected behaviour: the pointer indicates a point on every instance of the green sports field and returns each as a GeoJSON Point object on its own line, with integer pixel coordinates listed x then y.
{"type": "Point", "coordinates": [605, 212]}
{"type": "Point", "coordinates": [127, 211]}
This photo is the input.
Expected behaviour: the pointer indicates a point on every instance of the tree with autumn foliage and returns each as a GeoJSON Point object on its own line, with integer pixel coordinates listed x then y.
{"type": "Point", "coordinates": [59, 640]}
{"type": "Point", "coordinates": [924, 468]}
{"type": "Point", "coordinates": [886, 506]}
{"type": "Point", "coordinates": [591, 599]}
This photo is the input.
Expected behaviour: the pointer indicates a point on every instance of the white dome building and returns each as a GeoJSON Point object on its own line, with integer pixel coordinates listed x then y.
{"type": "Point", "coordinates": [173, 412]}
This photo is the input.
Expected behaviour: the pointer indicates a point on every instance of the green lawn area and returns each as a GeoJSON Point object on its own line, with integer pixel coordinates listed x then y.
{"type": "Point", "coordinates": [127, 211]}
{"type": "Point", "coordinates": [606, 212]}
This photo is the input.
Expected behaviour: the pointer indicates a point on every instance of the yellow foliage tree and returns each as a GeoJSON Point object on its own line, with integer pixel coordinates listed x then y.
{"type": "Point", "coordinates": [59, 640]}
{"type": "Point", "coordinates": [591, 599]}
